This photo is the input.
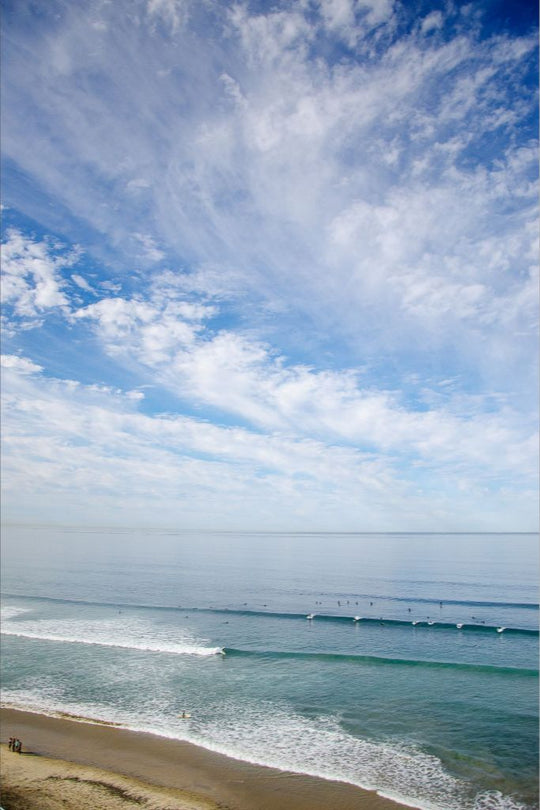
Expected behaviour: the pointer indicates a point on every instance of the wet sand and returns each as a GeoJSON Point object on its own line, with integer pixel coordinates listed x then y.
{"type": "Point", "coordinates": [79, 765]}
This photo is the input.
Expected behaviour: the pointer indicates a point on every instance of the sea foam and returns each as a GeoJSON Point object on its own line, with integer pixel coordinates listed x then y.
{"type": "Point", "coordinates": [124, 633]}
{"type": "Point", "coordinates": [269, 735]}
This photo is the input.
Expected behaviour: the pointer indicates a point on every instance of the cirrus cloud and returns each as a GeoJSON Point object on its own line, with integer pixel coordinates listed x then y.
{"type": "Point", "coordinates": [308, 262]}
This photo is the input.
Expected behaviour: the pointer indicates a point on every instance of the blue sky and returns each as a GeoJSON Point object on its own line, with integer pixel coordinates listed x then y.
{"type": "Point", "coordinates": [270, 266]}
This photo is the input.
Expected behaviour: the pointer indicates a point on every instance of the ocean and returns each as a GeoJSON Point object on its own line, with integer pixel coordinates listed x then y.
{"type": "Point", "coordinates": [402, 663]}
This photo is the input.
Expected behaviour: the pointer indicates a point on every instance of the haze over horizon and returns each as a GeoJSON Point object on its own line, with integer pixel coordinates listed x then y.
{"type": "Point", "coordinates": [270, 266]}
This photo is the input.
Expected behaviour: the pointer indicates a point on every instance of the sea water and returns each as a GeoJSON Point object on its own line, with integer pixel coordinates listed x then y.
{"type": "Point", "coordinates": [416, 674]}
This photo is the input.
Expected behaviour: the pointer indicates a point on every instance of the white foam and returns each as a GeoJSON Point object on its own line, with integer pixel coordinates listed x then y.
{"type": "Point", "coordinates": [495, 800]}
{"type": "Point", "coordinates": [320, 747]}
{"type": "Point", "coordinates": [11, 611]}
{"type": "Point", "coordinates": [45, 702]}
{"type": "Point", "coordinates": [124, 633]}
{"type": "Point", "coordinates": [271, 736]}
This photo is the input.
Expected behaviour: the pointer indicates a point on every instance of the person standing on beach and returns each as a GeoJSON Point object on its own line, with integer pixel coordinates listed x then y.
{"type": "Point", "coordinates": [10, 743]}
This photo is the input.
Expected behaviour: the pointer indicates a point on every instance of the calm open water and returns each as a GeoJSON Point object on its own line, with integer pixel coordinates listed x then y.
{"type": "Point", "coordinates": [381, 688]}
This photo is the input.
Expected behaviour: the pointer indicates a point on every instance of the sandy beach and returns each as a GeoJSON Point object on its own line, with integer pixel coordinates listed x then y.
{"type": "Point", "coordinates": [79, 765]}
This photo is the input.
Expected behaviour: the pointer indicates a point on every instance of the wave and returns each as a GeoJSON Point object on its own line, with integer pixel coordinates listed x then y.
{"type": "Point", "coordinates": [370, 620]}
{"type": "Point", "coordinates": [380, 660]}
{"type": "Point", "coordinates": [186, 648]}
{"type": "Point", "coordinates": [271, 736]}
{"type": "Point", "coordinates": [129, 633]}
{"type": "Point", "coordinates": [437, 601]}
{"type": "Point", "coordinates": [157, 647]}
{"type": "Point", "coordinates": [406, 599]}
{"type": "Point", "coordinates": [11, 611]}
{"type": "Point", "coordinates": [318, 617]}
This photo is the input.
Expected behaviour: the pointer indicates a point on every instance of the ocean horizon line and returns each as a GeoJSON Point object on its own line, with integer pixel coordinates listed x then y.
{"type": "Point", "coordinates": [90, 528]}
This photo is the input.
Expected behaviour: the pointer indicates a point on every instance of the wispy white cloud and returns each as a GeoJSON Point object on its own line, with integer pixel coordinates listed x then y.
{"type": "Point", "coordinates": [301, 220]}
{"type": "Point", "coordinates": [149, 248]}
{"type": "Point", "coordinates": [248, 380]}
{"type": "Point", "coordinates": [171, 12]}
{"type": "Point", "coordinates": [129, 465]}
{"type": "Point", "coordinates": [432, 22]}
{"type": "Point", "coordinates": [22, 364]}
{"type": "Point", "coordinates": [31, 279]}
{"type": "Point", "coordinates": [81, 282]}
{"type": "Point", "coordinates": [283, 146]}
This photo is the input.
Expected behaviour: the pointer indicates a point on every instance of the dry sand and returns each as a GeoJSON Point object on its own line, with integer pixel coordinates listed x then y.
{"type": "Point", "coordinates": [71, 765]}
{"type": "Point", "coordinates": [30, 781]}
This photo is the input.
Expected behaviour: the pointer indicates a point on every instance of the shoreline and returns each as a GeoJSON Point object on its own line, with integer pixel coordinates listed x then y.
{"type": "Point", "coordinates": [137, 763]}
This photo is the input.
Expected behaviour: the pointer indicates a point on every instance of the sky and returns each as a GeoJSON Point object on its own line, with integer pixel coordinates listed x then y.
{"type": "Point", "coordinates": [270, 266]}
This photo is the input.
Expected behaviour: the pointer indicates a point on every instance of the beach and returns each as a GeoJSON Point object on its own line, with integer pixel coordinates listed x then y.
{"type": "Point", "coordinates": [74, 765]}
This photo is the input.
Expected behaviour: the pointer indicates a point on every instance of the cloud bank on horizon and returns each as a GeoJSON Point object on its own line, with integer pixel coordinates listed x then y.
{"type": "Point", "coordinates": [270, 266]}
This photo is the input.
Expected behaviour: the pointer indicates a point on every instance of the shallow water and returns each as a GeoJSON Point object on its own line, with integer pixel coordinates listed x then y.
{"type": "Point", "coordinates": [136, 627]}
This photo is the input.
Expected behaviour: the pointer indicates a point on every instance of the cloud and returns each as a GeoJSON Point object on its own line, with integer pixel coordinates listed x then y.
{"type": "Point", "coordinates": [172, 12]}
{"type": "Point", "coordinates": [149, 247]}
{"type": "Point", "coordinates": [297, 221]}
{"type": "Point", "coordinates": [432, 22]}
{"type": "Point", "coordinates": [294, 144]}
{"type": "Point", "coordinates": [108, 448]}
{"type": "Point", "coordinates": [249, 381]}
{"type": "Point", "coordinates": [22, 364]}
{"type": "Point", "coordinates": [31, 281]}
{"type": "Point", "coordinates": [77, 445]}
{"type": "Point", "coordinates": [82, 283]}
{"type": "Point", "coordinates": [148, 329]}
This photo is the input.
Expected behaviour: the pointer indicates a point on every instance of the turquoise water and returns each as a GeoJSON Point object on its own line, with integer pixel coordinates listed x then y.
{"type": "Point", "coordinates": [381, 688]}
